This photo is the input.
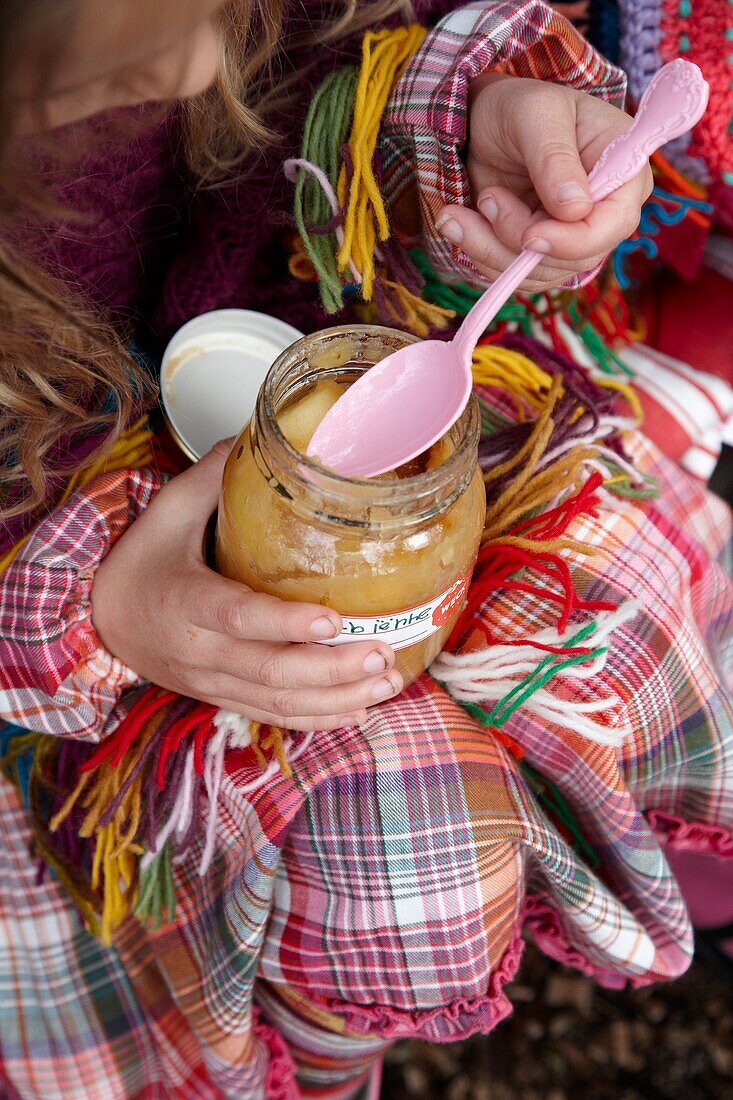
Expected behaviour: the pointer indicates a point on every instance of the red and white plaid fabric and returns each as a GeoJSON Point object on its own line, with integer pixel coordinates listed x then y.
{"type": "Point", "coordinates": [55, 674]}
{"type": "Point", "coordinates": [687, 411]}
{"type": "Point", "coordinates": [380, 891]}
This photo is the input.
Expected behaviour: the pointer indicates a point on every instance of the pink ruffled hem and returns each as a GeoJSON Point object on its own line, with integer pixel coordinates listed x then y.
{"type": "Point", "coordinates": [670, 829]}
{"type": "Point", "coordinates": [280, 1083]}
{"type": "Point", "coordinates": [446, 1024]}
{"type": "Point", "coordinates": [691, 836]}
{"type": "Point", "coordinates": [550, 936]}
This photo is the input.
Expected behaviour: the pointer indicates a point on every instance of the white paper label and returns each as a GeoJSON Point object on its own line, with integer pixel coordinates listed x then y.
{"type": "Point", "coordinates": [402, 628]}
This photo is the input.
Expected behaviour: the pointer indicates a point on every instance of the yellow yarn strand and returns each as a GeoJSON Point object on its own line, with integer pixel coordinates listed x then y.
{"type": "Point", "coordinates": [70, 802]}
{"type": "Point", "coordinates": [533, 495]}
{"type": "Point", "coordinates": [502, 507]}
{"type": "Point", "coordinates": [274, 741]}
{"type": "Point", "coordinates": [549, 545]}
{"type": "Point", "coordinates": [523, 381]}
{"type": "Point", "coordinates": [530, 490]}
{"type": "Point", "coordinates": [385, 55]}
{"type": "Point", "coordinates": [255, 733]}
{"type": "Point", "coordinates": [116, 853]}
{"type": "Point", "coordinates": [115, 874]}
{"type": "Point", "coordinates": [133, 449]}
{"type": "Point", "coordinates": [494, 365]}
{"type": "Point", "coordinates": [413, 312]}
{"type": "Point", "coordinates": [529, 451]}
{"type": "Point", "coordinates": [99, 798]}
{"type": "Point", "coordinates": [626, 391]}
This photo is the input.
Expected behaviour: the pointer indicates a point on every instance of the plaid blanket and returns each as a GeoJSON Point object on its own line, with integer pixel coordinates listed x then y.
{"type": "Point", "coordinates": [381, 889]}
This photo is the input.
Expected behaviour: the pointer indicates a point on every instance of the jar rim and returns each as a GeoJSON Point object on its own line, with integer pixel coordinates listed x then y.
{"type": "Point", "coordinates": [370, 491]}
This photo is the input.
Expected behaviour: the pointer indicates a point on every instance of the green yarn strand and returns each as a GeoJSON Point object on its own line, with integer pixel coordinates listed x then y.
{"type": "Point", "coordinates": [649, 490]}
{"type": "Point", "coordinates": [157, 891]}
{"type": "Point", "coordinates": [477, 712]}
{"type": "Point", "coordinates": [327, 127]}
{"type": "Point", "coordinates": [459, 297]}
{"type": "Point", "coordinates": [604, 356]}
{"type": "Point", "coordinates": [522, 692]}
{"type": "Point", "coordinates": [541, 675]}
{"type": "Point", "coordinates": [549, 795]}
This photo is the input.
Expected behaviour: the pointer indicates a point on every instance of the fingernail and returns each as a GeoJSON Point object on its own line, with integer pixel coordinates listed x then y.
{"type": "Point", "coordinates": [489, 209]}
{"type": "Point", "coordinates": [375, 662]}
{"type": "Point", "coordinates": [323, 628]}
{"type": "Point", "coordinates": [450, 229]}
{"type": "Point", "coordinates": [537, 244]}
{"type": "Point", "coordinates": [572, 192]}
{"type": "Point", "coordinates": [383, 689]}
{"type": "Point", "coordinates": [351, 720]}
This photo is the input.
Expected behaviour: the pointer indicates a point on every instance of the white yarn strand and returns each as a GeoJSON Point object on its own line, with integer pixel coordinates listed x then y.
{"type": "Point", "coordinates": [487, 676]}
{"type": "Point", "coordinates": [235, 732]}
{"type": "Point", "coordinates": [291, 168]}
{"type": "Point", "coordinates": [213, 772]}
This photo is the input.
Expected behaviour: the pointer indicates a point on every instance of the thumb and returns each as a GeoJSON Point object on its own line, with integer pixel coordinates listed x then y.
{"type": "Point", "coordinates": [553, 161]}
{"type": "Point", "coordinates": [194, 494]}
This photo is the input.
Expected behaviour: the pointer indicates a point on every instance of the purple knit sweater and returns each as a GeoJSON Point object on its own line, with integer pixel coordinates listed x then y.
{"type": "Point", "coordinates": [157, 251]}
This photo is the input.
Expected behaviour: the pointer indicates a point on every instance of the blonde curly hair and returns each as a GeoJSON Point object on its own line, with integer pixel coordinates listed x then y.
{"type": "Point", "coordinates": [64, 370]}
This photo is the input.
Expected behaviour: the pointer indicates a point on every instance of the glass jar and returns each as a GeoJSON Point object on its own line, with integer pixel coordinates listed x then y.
{"type": "Point", "coordinates": [393, 555]}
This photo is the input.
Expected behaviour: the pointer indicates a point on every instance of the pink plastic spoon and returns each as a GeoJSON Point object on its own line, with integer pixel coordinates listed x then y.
{"type": "Point", "coordinates": [405, 403]}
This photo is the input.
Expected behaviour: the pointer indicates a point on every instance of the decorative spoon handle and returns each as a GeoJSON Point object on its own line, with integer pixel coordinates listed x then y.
{"type": "Point", "coordinates": [674, 101]}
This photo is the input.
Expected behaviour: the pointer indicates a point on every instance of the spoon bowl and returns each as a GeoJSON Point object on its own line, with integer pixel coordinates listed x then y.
{"type": "Point", "coordinates": [370, 436]}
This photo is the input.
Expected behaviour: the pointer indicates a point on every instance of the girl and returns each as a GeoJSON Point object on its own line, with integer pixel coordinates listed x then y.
{"type": "Point", "coordinates": [377, 890]}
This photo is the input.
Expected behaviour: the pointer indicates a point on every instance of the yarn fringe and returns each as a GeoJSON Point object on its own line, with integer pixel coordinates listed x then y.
{"type": "Point", "coordinates": [510, 677]}
{"type": "Point", "coordinates": [385, 55]}
{"type": "Point", "coordinates": [112, 820]}
{"type": "Point", "coordinates": [315, 174]}
{"type": "Point", "coordinates": [344, 241]}
{"type": "Point", "coordinates": [546, 456]}
{"type": "Point", "coordinates": [346, 245]}
{"type": "Point", "coordinates": [674, 200]}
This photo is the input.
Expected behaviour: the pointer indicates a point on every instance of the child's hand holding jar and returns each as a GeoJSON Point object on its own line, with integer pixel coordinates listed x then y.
{"type": "Point", "coordinates": [161, 610]}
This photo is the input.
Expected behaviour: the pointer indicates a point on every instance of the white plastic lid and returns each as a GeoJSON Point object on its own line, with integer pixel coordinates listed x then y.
{"type": "Point", "coordinates": [212, 371]}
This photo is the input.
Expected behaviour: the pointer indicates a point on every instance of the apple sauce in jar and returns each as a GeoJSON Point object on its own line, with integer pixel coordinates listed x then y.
{"type": "Point", "coordinates": [394, 554]}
